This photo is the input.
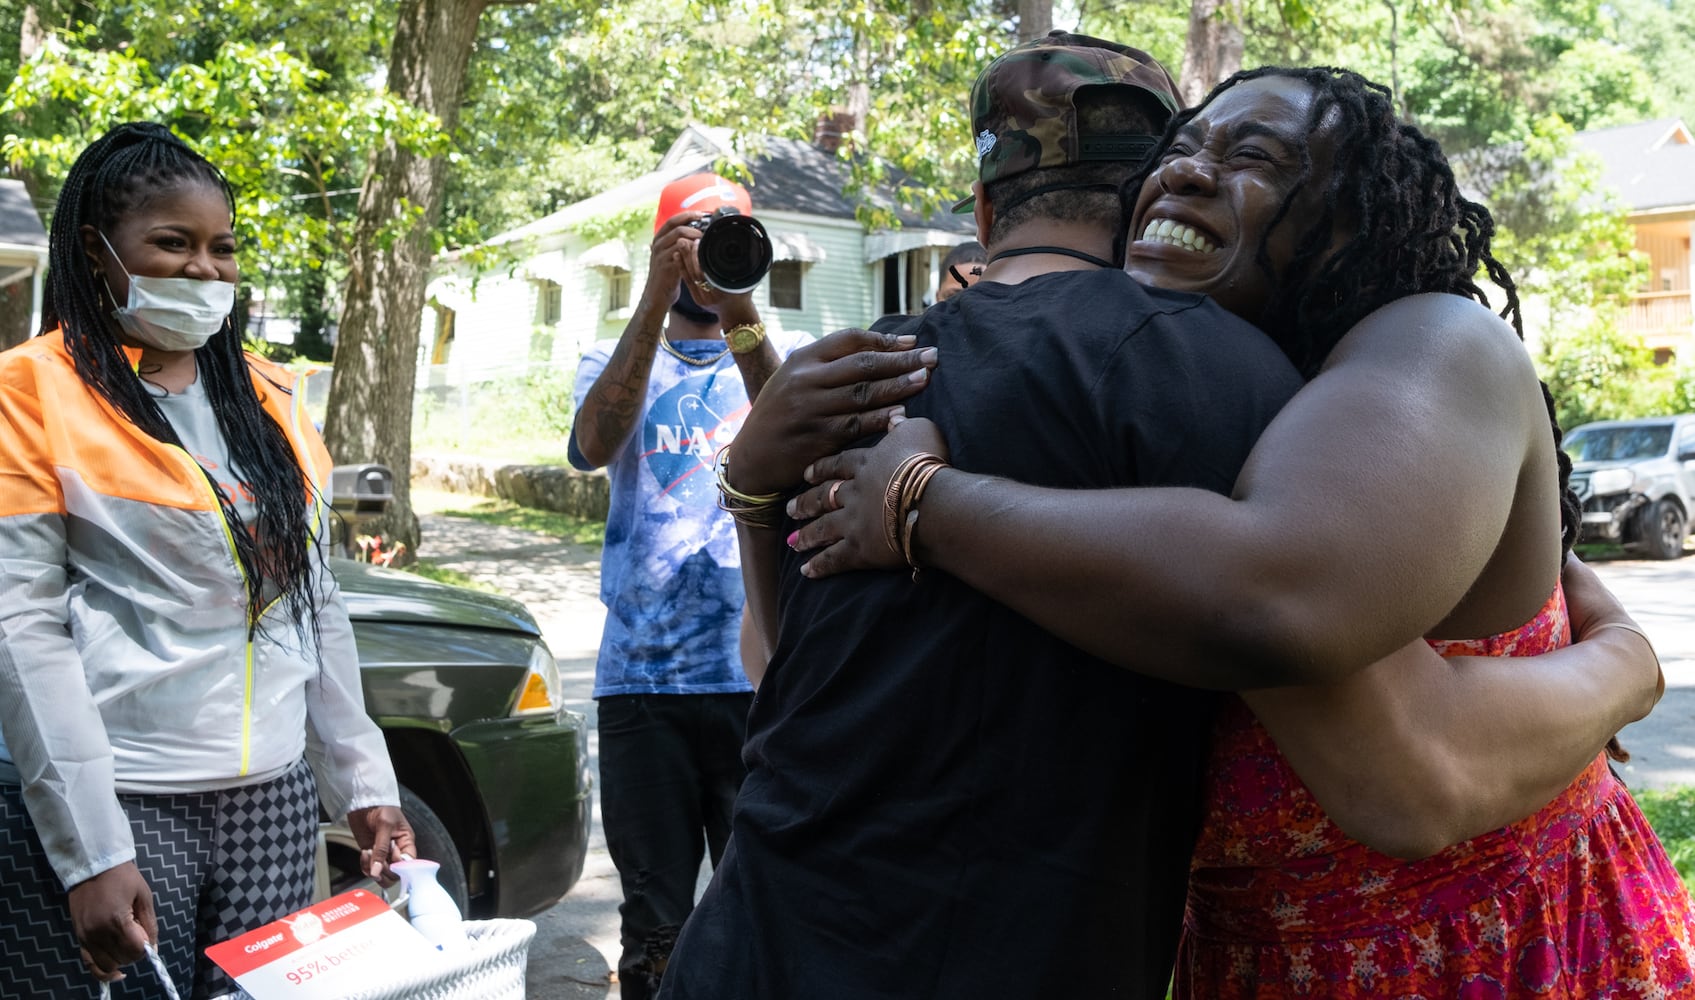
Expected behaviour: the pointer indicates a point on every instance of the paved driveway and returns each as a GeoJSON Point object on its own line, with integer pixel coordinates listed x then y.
{"type": "Point", "coordinates": [576, 944]}
{"type": "Point", "coordinates": [1661, 596]}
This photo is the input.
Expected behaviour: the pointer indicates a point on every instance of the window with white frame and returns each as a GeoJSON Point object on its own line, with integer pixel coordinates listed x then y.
{"type": "Point", "coordinates": [549, 302]}
{"type": "Point", "coordinates": [785, 284]}
{"type": "Point", "coordinates": [906, 281]}
{"type": "Point", "coordinates": [617, 290]}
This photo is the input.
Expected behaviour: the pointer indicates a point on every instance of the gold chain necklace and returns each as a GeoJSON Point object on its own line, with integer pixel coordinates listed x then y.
{"type": "Point", "coordinates": [665, 342]}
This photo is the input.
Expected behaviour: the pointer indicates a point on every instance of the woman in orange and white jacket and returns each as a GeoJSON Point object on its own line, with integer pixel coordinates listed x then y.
{"type": "Point", "coordinates": [178, 681]}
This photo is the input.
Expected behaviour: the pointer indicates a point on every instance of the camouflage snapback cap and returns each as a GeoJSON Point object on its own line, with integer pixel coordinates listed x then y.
{"type": "Point", "coordinates": [1023, 111]}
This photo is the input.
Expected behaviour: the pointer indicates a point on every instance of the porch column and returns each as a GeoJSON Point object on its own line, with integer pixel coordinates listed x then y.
{"type": "Point", "coordinates": [38, 283]}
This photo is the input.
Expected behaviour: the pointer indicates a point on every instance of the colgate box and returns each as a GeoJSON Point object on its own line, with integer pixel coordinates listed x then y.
{"type": "Point", "coordinates": [346, 944]}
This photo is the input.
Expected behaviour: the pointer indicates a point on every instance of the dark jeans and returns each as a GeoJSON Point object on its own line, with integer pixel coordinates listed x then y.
{"type": "Point", "coordinates": [670, 767]}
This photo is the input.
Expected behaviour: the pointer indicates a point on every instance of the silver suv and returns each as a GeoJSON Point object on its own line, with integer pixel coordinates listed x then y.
{"type": "Point", "coordinates": [1636, 479]}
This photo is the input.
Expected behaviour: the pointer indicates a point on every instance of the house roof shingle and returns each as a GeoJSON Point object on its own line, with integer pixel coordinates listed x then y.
{"type": "Point", "coordinates": [1650, 164]}
{"type": "Point", "coordinates": [788, 176]}
{"type": "Point", "coordinates": [20, 225]}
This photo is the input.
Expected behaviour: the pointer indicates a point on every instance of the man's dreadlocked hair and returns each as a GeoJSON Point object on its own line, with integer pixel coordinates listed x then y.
{"type": "Point", "coordinates": [1408, 230]}
{"type": "Point", "coordinates": [116, 174]}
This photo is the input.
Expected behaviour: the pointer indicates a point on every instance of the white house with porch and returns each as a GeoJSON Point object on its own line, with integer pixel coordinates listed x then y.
{"type": "Point", "coordinates": [566, 291]}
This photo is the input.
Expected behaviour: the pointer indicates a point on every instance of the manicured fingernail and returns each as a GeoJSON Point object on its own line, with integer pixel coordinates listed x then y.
{"type": "Point", "coordinates": [789, 508]}
{"type": "Point", "coordinates": [906, 340]}
{"type": "Point", "coordinates": [806, 570]}
{"type": "Point", "coordinates": [896, 419]}
{"type": "Point", "coordinates": [921, 375]}
{"type": "Point", "coordinates": [807, 475]}
{"type": "Point", "coordinates": [794, 536]}
{"type": "Point", "coordinates": [927, 355]}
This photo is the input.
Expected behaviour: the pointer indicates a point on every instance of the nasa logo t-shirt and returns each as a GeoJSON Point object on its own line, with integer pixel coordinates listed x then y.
{"type": "Point", "coordinates": [671, 573]}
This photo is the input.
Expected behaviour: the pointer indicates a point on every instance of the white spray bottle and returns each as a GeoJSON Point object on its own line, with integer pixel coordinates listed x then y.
{"type": "Point", "coordinates": [428, 905]}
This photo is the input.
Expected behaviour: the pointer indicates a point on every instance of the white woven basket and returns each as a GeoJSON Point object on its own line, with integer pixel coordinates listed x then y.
{"type": "Point", "coordinates": [493, 968]}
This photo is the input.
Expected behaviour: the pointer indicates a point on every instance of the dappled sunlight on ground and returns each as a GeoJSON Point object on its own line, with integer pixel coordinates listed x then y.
{"type": "Point", "coordinates": [576, 942]}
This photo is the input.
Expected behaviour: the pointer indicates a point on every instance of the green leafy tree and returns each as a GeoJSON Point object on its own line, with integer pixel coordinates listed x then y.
{"type": "Point", "coordinates": [1573, 255]}
{"type": "Point", "coordinates": [1661, 33]}
{"type": "Point", "coordinates": [290, 121]}
{"type": "Point", "coordinates": [369, 416]}
{"type": "Point", "coordinates": [1596, 372]}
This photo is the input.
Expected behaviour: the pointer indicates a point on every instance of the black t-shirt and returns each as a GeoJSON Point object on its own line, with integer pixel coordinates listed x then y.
{"type": "Point", "coordinates": [943, 800]}
{"type": "Point", "coordinates": [891, 322]}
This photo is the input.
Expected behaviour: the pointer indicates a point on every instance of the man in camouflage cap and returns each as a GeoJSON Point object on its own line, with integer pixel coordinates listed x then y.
{"type": "Point", "coordinates": [944, 800]}
{"type": "Point", "coordinates": [1059, 124]}
{"type": "Point", "coordinates": [1024, 106]}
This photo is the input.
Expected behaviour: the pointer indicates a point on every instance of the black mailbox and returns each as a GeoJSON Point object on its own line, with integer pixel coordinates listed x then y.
{"type": "Point", "coordinates": [358, 491]}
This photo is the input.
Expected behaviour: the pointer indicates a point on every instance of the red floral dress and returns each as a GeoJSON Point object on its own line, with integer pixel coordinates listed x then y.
{"type": "Point", "coordinates": [1579, 900]}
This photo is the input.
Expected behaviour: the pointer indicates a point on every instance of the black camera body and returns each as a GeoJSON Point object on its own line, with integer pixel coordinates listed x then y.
{"type": "Point", "coordinates": [734, 250]}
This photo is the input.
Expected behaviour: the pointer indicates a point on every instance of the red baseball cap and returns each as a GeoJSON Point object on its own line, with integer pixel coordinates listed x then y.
{"type": "Point", "coordinates": [700, 193]}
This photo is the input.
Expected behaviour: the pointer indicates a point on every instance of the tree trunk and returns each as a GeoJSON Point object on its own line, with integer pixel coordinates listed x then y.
{"type": "Point", "coordinates": [31, 36]}
{"type": "Point", "coordinates": [1214, 49]}
{"type": "Point", "coordinates": [1035, 19]}
{"type": "Point", "coordinates": [369, 417]}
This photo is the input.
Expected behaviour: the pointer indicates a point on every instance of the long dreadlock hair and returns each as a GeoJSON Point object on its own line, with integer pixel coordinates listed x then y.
{"type": "Point", "coordinates": [1409, 230]}
{"type": "Point", "coordinates": [116, 174]}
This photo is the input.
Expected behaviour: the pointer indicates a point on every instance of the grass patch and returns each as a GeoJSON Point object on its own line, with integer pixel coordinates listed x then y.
{"type": "Point", "coordinates": [1671, 813]}
{"type": "Point", "coordinates": [442, 574]}
{"type": "Point", "coordinates": [523, 418]}
{"type": "Point", "coordinates": [1600, 551]}
{"type": "Point", "coordinates": [507, 514]}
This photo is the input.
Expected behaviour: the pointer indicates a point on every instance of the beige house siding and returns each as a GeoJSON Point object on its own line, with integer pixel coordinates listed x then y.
{"type": "Point", "coordinates": [1650, 166]}
{"type": "Point", "coordinates": [1661, 313]}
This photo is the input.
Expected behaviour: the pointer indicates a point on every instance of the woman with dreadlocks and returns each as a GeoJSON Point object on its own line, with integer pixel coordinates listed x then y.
{"type": "Point", "coordinates": [1398, 830]}
{"type": "Point", "coordinates": [170, 635]}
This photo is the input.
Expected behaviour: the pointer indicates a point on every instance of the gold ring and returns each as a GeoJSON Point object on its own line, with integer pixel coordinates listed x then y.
{"type": "Point", "coordinates": [703, 285]}
{"type": "Point", "coordinates": [834, 503]}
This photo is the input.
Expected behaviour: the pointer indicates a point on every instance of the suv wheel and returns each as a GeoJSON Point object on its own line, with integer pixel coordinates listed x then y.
{"type": "Point", "coordinates": [1663, 528]}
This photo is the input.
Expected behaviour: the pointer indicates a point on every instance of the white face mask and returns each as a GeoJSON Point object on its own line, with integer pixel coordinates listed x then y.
{"type": "Point", "coordinates": [172, 314]}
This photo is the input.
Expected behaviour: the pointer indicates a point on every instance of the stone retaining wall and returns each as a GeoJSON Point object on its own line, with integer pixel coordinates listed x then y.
{"type": "Point", "coordinates": [545, 487]}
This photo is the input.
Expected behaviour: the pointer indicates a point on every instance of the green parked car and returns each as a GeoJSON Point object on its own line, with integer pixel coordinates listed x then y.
{"type": "Point", "coordinates": [494, 772]}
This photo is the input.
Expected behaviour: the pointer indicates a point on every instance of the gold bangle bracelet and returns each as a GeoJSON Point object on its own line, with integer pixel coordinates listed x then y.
{"type": "Point", "coordinates": [721, 469]}
{"type": "Point", "coordinates": [892, 499]}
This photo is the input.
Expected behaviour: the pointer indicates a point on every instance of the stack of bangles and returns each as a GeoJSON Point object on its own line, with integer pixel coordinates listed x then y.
{"type": "Point", "coordinates": [756, 510]}
{"type": "Point", "coordinates": [900, 503]}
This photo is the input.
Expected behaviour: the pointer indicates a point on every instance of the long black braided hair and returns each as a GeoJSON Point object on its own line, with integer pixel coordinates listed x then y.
{"type": "Point", "coordinates": [1409, 230]}
{"type": "Point", "coordinates": [114, 175]}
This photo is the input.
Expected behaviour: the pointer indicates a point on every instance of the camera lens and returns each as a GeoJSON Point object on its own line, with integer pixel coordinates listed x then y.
{"type": "Point", "coordinates": [735, 252]}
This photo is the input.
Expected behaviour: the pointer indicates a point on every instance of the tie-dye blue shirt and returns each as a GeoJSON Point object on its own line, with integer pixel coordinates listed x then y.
{"type": "Point", "coordinates": [670, 574]}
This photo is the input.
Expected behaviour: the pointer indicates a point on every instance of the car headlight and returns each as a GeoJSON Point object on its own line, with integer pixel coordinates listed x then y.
{"type": "Point", "coordinates": [1606, 481]}
{"type": "Point", "coordinates": [540, 693]}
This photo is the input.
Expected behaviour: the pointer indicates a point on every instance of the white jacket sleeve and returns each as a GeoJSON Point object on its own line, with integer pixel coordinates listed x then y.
{"type": "Point", "coordinates": [51, 725]}
{"type": "Point", "coordinates": [344, 747]}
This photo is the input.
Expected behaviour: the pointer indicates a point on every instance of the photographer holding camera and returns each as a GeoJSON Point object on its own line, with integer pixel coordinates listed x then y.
{"type": "Point", "coordinates": [673, 697]}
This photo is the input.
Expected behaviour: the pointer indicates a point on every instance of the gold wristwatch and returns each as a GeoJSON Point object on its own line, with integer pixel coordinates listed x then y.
{"type": "Point", "coordinates": [745, 337]}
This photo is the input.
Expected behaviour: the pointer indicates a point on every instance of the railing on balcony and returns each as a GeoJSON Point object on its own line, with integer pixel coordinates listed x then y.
{"type": "Point", "coordinates": [1660, 313]}
{"type": "Point", "coordinates": [1661, 319]}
